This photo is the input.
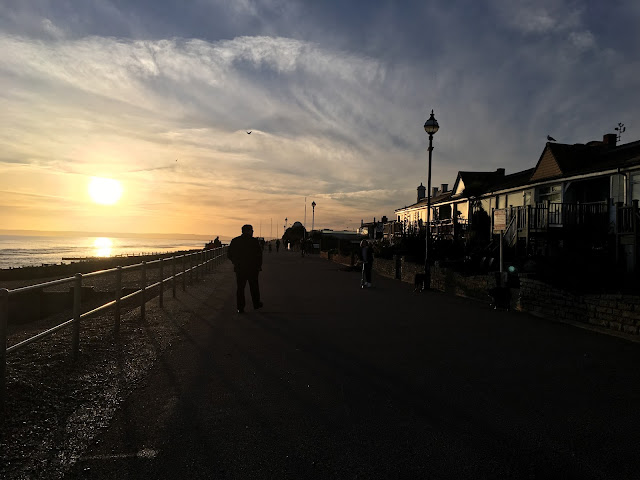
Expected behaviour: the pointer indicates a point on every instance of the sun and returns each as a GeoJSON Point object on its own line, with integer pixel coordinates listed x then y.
{"type": "Point", "coordinates": [105, 191]}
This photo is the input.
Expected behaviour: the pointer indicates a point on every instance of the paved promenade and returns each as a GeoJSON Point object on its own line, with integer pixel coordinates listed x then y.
{"type": "Point", "coordinates": [329, 381]}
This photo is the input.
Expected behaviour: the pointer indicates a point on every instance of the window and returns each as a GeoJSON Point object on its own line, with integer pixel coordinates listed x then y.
{"type": "Point", "coordinates": [552, 193]}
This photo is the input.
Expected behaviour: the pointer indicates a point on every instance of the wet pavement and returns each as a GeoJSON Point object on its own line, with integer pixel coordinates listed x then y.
{"type": "Point", "coordinates": [329, 380]}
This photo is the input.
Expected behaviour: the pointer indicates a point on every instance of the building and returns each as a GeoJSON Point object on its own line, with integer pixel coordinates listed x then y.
{"type": "Point", "coordinates": [581, 193]}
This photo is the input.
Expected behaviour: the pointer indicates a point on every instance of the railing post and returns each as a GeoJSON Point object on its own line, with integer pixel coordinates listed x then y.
{"type": "Point", "coordinates": [191, 268]}
{"type": "Point", "coordinates": [198, 257]}
{"type": "Point", "coordinates": [173, 275]}
{"type": "Point", "coordinates": [4, 322]}
{"type": "Point", "coordinates": [143, 293]}
{"type": "Point", "coordinates": [118, 298]}
{"type": "Point", "coordinates": [184, 272]}
{"type": "Point", "coordinates": [161, 296]}
{"type": "Point", "coordinates": [77, 300]}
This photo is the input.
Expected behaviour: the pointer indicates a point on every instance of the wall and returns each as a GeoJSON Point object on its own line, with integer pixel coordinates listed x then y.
{"type": "Point", "coordinates": [615, 312]}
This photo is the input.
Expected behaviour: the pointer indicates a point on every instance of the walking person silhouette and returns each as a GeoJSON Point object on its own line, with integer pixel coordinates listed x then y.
{"type": "Point", "coordinates": [245, 253]}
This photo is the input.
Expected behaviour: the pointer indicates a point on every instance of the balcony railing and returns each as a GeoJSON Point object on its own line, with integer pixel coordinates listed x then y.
{"type": "Point", "coordinates": [543, 216]}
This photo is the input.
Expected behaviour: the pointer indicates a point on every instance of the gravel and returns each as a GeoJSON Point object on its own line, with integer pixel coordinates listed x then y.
{"type": "Point", "coordinates": [56, 406]}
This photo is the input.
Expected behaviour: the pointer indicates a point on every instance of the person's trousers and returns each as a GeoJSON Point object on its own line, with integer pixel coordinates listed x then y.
{"type": "Point", "coordinates": [241, 281]}
{"type": "Point", "coordinates": [367, 272]}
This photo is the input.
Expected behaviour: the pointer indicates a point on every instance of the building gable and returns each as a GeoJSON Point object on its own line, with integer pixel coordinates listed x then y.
{"type": "Point", "coordinates": [547, 166]}
{"type": "Point", "coordinates": [458, 187]}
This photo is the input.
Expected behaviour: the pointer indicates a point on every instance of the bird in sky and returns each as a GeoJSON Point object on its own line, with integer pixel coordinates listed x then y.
{"type": "Point", "coordinates": [551, 139]}
{"type": "Point", "coordinates": [249, 132]}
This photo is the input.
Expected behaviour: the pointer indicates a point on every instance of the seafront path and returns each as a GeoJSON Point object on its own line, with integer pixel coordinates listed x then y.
{"type": "Point", "coordinates": [331, 381]}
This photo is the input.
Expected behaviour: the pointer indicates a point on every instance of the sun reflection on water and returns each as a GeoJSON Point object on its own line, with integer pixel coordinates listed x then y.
{"type": "Point", "coordinates": [102, 246]}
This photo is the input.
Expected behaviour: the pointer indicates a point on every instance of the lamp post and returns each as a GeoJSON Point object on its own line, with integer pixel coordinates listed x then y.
{"type": "Point", "coordinates": [313, 214]}
{"type": "Point", "coordinates": [430, 126]}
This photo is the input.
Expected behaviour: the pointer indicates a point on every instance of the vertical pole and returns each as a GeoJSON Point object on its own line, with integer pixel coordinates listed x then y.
{"type": "Point", "coordinates": [4, 322]}
{"type": "Point", "coordinates": [427, 267]}
{"type": "Point", "coordinates": [143, 292]}
{"type": "Point", "coordinates": [77, 300]}
{"type": "Point", "coordinates": [118, 297]}
{"type": "Point", "coordinates": [173, 275]}
{"type": "Point", "coordinates": [501, 255]}
{"type": "Point", "coordinates": [161, 296]}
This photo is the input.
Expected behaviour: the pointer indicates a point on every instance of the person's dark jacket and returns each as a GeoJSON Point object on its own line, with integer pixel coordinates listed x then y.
{"type": "Point", "coordinates": [246, 254]}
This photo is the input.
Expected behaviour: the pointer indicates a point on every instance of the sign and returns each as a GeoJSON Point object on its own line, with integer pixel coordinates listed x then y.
{"type": "Point", "coordinates": [499, 219]}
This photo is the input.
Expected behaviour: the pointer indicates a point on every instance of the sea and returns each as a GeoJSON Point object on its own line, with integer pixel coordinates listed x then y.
{"type": "Point", "coordinates": [23, 250]}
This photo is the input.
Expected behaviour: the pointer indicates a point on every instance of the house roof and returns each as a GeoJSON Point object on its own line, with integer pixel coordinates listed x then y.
{"type": "Point", "coordinates": [477, 183]}
{"type": "Point", "coordinates": [557, 161]}
{"type": "Point", "coordinates": [513, 180]}
{"type": "Point", "coordinates": [561, 160]}
{"type": "Point", "coordinates": [440, 197]}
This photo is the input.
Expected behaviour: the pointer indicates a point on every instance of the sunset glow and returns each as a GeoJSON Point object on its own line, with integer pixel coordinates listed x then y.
{"type": "Point", "coordinates": [105, 191]}
{"type": "Point", "coordinates": [157, 105]}
{"type": "Point", "coordinates": [103, 246]}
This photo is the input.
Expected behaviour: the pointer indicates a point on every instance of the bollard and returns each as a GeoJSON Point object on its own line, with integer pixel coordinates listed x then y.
{"type": "Point", "coordinates": [118, 297]}
{"type": "Point", "coordinates": [161, 296]}
{"type": "Point", "coordinates": [4, 323]}
{"type": "Point", "coordinates": [77, 300]}
{"type": "Point", "coordinates": [143, 293]}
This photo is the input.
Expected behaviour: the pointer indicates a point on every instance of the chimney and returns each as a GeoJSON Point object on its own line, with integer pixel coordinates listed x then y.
{"type": "Point", "coordinates": [422, 192]}
{"type": "Point", "coordinates": [443, 187]}
{"type": "Point", "coordinates": [610, 139]}
{"type": "Point", "coordinates": [500, 171]}
{"type": "Point", "coordinates": [434, 191]}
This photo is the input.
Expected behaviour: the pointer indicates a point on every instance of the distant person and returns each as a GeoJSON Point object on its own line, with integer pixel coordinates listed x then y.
{"type": "Point", "coordinates": [269, 246]}
{"type": "Point", "coordinates": [277, 245]}
{"type": "Point", "coordinates": [302, 246]}
{"type": "Point", "coordinates": [245, 253]}
{"type": "Point", "coordinates": [366, 255]}
{"type": "Point", "coordinates": [217, 243]}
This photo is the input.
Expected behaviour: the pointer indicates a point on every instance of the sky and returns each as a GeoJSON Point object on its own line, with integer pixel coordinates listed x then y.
{"type": "Point", "coordinates": [158, 95]}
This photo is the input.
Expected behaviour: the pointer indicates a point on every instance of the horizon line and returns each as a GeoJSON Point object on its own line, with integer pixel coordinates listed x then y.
{"type": "Point", "coordinates": [70, 233]}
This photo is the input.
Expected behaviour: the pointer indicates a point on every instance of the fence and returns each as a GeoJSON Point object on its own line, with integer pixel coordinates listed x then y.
{"type": "Point", "coordinates": [191, 263]}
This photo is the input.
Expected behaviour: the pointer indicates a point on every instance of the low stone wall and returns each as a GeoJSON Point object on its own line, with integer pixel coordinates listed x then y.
{"type": "Point", "coordinates": [342, 259]}
{"type": "Point", "coordinates": [616, 312]}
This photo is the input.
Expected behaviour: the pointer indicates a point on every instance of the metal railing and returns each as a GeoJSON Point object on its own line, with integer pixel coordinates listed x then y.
{"type": "Point", "coordinates": [548, 214]}
{"type": "Point", "coordinates": [191, 264]}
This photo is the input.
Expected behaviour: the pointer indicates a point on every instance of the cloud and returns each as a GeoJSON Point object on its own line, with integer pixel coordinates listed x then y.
{"type": "Point", "coordinates": [582, 40]}
{"type": "Point", "coordinates": [336, 107]}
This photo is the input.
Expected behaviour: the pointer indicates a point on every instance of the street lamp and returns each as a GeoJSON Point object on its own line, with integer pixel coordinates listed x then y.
{"type": "Point", "coordinates": [313, 214]}
{"type": "Point", "coordinates": [430, 126]}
